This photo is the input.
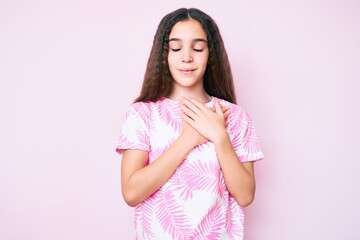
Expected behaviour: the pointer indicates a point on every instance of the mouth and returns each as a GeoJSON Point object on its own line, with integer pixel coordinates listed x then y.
{"type": "Point", "coordinates": [187, 70]}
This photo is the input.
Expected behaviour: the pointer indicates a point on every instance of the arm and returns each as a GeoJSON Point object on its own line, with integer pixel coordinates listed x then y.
{"type": "Point", "coordinates": [139, 181]}
{"type": "Point", "coordinates": [239, 177]}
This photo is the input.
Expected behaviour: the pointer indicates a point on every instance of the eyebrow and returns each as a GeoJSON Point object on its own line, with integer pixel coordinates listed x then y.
{"type": "Point", "coordinates": [195, 40]}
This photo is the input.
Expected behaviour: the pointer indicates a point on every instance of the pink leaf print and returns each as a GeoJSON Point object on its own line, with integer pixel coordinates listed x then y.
{"type": "Point", "coordinates": [251, 144]}
{"type": "Point", "coordinates": [143, 213]}
{"type": "Point", "coordinates": [171, 217]}
{"type": "Point", "coordinates": [125, 142]}
{"type": "Point", "coordinates": [156, 153]}
{"type": "Point", "coordinates": [211, 225]}
{"type": "Point", "coordinates": [168, 213]}
{"type": "Point", "coordinates": [170, 114]}
{"type": "Point", "coordinates": [197, 176]}
{"type": "Point", "coordinates": [134, 133]}
{"type": "Point", "coordinates": [234, 229]}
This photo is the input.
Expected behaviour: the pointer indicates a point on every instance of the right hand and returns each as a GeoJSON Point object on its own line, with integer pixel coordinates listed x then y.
{"type": "Point", "coordinates": [192, 134]}
{"type": "Point", "coordinates": [195, 135]}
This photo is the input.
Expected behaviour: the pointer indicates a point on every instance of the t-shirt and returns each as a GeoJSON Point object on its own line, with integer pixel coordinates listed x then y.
{"type": "Point", "coordinates": [195, 202]}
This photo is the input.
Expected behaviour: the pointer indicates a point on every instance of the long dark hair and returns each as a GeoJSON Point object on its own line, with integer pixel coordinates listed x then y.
{"type": "Point", "coordinates": [218, 80]}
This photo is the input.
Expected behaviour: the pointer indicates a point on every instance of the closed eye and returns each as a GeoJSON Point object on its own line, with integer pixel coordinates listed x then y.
{"type": "Point", "coordinates": [198, 50]}
{"type": "Point", "coordinates": [175, 49]}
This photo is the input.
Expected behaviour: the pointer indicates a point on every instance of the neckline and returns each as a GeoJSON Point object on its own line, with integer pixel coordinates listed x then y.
{"type": "Point", "coordinates": [208, 104]}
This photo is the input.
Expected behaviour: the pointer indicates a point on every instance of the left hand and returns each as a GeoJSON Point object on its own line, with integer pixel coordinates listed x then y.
{"type": "Point", "coordinates": [209, 123]}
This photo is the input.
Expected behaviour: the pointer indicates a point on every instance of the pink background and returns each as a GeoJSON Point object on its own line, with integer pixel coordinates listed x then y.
{"type": "Point", "coordinates": [69, 69]}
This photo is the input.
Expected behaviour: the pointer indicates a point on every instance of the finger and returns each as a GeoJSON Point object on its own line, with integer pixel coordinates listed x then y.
{"type": "Point", "coordinates": [224, 108]}
{"type": "Point", "coordinates": [218, 109]}
{"type": "Point", "coordinates": [198, 104]}
{"type": "Point", "coordinates": [187, 120]}
{"type": "Point", "coordinates": [226, 113]}
{"type": "Point", "coordinates": [188, 112]}
{"type": "Point", "coordinates": [190, 105]}
{"type": "Point", "coordinates": [227, 123]}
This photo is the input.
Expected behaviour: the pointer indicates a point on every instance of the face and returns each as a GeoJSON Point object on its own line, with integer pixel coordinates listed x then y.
{"type": "Point", "coordinates": [188, 55]}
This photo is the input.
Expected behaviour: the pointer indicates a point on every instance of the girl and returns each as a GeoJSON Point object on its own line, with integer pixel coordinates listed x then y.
{"type": "Point", "coordinates": [187, 148]}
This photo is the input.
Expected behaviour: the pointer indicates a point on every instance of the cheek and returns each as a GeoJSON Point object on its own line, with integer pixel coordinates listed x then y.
{"type": "Point", "coordinates": [170, 60]}
{"type": "Point", "coordinates": [205, 58]}
{"type": "Point", "coordinates": [204, 61]}
{"type": "Point", "coordinates": [171, 65]}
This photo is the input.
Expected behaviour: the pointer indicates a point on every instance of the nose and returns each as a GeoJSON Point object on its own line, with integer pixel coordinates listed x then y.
{"type": "Point", "coordinates": [187, 57]}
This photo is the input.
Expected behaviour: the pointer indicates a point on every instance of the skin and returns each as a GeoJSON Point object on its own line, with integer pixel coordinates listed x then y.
{"type": "Point", "coordinates": [187, 58]}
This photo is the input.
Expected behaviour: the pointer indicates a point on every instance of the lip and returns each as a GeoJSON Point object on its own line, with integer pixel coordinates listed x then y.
{"type": "Point", "coordinates": [187, 70]}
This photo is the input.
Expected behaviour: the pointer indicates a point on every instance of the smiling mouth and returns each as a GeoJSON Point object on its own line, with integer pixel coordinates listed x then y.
{"type": "Point", "coordinates": [187, 70]}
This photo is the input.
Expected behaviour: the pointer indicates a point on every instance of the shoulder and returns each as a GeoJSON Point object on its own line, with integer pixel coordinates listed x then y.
{"type": "Point", "coordinates": [235, 109]}
{"type": "Point", "coordinates": [237, 113]}
{"type": "Point", "coordinates": [143, 109]}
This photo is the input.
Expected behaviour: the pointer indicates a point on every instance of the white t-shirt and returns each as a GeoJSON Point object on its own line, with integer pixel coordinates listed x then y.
{"type": "Point", "coordinates": [194, 203]}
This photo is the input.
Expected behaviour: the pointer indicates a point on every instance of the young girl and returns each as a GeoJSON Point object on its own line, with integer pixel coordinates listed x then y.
{"type": "Point", "coordinates": [187, 148]}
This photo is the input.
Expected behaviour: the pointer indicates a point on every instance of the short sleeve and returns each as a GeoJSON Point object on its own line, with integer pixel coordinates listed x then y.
{"type": "Point", "coordinates": [134, 133]}
{"type": "Point", "coordinates": [245, 142]}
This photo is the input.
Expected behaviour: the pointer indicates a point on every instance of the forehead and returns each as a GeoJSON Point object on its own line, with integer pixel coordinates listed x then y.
{"type": "Point", "coordinates": [188, 30]}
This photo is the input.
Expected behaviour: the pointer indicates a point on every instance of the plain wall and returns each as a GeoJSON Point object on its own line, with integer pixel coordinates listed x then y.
{"type": "Point", "coordinates": [70, 68]}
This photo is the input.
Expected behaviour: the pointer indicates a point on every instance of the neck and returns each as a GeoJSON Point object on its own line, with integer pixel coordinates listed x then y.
{"type": "Point", "coordinates": [200, 95]}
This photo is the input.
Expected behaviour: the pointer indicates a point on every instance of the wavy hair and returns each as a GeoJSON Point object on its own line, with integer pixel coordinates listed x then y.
{"type": "Point", "coordinates": [217, 80]}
